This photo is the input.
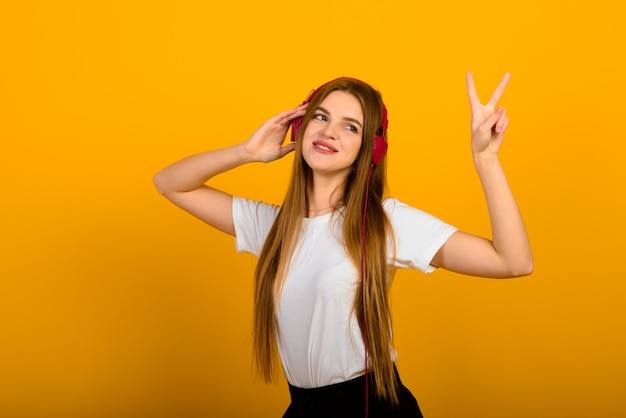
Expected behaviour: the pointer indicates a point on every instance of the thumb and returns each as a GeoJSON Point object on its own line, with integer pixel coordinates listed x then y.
{"type": "Point", "coordinates": [287, 149]}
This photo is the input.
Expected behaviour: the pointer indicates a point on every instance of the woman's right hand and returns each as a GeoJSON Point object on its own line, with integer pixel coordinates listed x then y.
{"type": "Point", "coordinates": [183, 182]}
{"type": "Point", "coordinates": [266, 143]}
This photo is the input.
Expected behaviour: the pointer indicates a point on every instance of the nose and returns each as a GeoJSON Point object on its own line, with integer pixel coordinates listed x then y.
{"type": "Point", "coordinates": [330, 131]}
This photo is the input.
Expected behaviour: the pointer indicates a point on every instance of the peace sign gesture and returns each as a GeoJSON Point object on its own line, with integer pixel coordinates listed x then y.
{"type": "Point", "coordinates": [488, 123]}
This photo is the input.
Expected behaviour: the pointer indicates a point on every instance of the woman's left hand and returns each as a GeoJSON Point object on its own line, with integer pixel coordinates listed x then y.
{"type": "Point", "coordinates": [488, 122]}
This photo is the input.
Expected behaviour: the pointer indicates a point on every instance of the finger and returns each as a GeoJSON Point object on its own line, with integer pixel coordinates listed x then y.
{"type": "Point", "coordinates": [491, 121]}
{"type": "Point", "coordinates": [471, 90]}
{"type": "Point", "coordinates": [504, 126]}
{"type": "Point", "coordinates": [287, 116]}
{"type": "Point", "coordinates": [499, 90]}
{"type": "Point", "coordinates": [501, 122]}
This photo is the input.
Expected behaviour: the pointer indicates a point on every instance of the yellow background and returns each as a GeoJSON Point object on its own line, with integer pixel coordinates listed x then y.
{"type": "Point", "coordinates": [114, 303]}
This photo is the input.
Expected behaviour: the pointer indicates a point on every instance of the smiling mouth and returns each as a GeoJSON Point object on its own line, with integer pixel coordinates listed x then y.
{"type": "Point", "coordinates": [323, 147]}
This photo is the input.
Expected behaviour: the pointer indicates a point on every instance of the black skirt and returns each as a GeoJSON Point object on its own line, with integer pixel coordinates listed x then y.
{"type": "Point", "coordinates": [347, 400]}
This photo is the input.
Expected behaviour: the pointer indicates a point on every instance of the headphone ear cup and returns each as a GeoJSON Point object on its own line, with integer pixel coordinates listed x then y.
{"type": "Point", "coordinates": [380, 149]}
{"type": "Point", "coordinates": [295, 127]}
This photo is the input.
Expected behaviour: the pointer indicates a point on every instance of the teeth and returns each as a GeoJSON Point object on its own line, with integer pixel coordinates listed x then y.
{"type": "Point", "coordinates": [323, 147]}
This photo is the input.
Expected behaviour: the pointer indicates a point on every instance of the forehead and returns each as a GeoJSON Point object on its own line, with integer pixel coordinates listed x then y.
{"type": "Point", "coordinates": [343, 104]}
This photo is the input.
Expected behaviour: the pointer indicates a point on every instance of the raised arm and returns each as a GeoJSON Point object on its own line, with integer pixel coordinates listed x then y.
{"type": "Point", "coordinates": [508, 253]}
{"type": "Point", "coordinates": [183, 182]}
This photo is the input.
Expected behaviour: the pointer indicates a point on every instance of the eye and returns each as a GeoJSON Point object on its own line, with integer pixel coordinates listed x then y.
{"type": "Point", "coordinates": [353, 128]}
{"type": "Point", "coordinates": [320, 116]}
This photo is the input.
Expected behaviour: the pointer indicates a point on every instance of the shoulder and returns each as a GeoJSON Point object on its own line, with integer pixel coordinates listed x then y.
{"type": "Point", "coordinates": [389, 203]}
{"type": "Point", "coordinates": [402, 215]}
{"type": "Point", "coordinates": [254, 209]}
{"type": "Point", "coordinates": [417, 235]}
{"type": "Point", "coordinates": [252, 221]}
{"type": "Point", "coordinates": [394, 207]}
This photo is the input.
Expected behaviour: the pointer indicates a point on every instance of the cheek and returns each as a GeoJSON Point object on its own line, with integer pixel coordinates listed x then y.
{"type": "Point", "coordinates": [306, 151]}
{"type": "Point", "coordinates": [311, 129]}
{"type": "Point", "coordinates": [355, 148]}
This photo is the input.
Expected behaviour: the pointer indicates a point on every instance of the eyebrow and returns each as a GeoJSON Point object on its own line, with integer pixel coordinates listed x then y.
{"type": "Point", "coordinates": [347, 119]}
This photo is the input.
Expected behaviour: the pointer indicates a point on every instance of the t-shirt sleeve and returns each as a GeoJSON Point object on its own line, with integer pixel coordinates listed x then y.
{"type": "Point", "coordinates": [418, 235]}
{"type": "Point", "coordinates": [253, 221]}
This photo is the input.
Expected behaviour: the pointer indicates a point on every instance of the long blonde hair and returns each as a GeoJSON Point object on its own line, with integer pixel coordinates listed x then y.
{"type": "Point", "coordinates": [371, 302]}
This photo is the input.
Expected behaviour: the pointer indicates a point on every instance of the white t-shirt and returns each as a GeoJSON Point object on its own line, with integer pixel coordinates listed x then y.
{"type": "Point", "coordinates": [319, 339]}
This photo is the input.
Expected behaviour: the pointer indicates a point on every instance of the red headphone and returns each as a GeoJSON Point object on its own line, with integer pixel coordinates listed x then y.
{"type": "Point", "coordinates": [380, 140]}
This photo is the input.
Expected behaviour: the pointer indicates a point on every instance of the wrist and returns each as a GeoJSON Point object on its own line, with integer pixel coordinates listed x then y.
{"type": "Point", "coordinates": [485, 157]}
{"type": "Point", "coordinates": [485, 160]}
{"type": "Point", "coordinates": [245, 154]}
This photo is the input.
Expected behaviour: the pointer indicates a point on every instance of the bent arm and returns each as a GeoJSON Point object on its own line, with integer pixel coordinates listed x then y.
{"type": "Point", "coordinates": [508, 253]}
{"type": "Point", "coordinates": [183, 183]}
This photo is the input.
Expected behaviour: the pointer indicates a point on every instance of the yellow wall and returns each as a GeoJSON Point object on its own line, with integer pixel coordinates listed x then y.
{"type": "Point", "coordinates": [114, 303]}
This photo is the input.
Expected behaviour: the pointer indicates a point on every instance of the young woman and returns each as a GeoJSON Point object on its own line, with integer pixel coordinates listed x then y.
{"type": "Point", "coordinates": [327, 254]}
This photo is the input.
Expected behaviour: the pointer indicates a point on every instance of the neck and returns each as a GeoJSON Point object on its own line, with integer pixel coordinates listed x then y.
{"type": "Point", "coordinates": [323, 195]}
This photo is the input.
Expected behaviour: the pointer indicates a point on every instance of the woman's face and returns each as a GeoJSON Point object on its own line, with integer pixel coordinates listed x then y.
{"type": "Point", "coordinates": [332, 139]}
